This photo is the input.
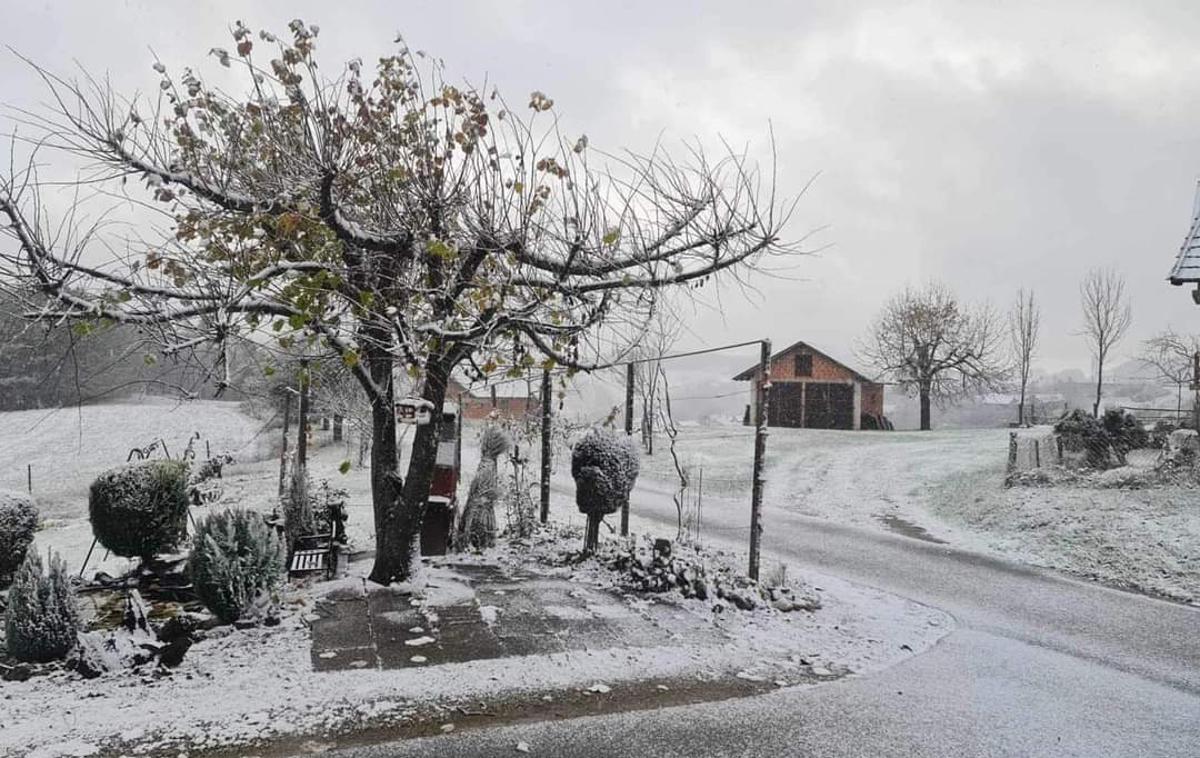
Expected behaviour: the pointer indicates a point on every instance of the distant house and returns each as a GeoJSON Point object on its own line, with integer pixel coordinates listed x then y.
{"type": "Point", "coordinates": [811, 390]}
{"type": "Point", "coordinates": [1187, 266]}
{"type": "Point", "coordinates": [507, 400]}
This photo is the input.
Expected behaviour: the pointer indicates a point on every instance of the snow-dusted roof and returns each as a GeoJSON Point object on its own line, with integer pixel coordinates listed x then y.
{"type": "Point", "coordinates": [1187, 266]}
{"type": "Point", "coordinates": [752, 372]}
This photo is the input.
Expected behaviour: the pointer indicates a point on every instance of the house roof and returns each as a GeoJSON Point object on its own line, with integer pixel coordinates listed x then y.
{"type": "Point", "coordinates": [749, 373]}
{"type": "Point", "coordinates": [1187, 265]}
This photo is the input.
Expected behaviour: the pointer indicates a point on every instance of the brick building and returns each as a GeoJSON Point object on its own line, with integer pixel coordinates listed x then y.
{"type": "Point", "coordinates": [507, 400]}
{"type": "Point", "coordinates": [811, 390]}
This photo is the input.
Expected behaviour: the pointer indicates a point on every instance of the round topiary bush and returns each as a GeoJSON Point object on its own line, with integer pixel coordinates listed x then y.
{"type": "Point", "coordinates": [604, 465]}
{"type": "Point", "coordinates": [18, 521]}
{"type": "Point", "coordinates": [140, 510]}
{"type": "Point", "coordinates": [236, 559]}
{"type": "Point", "coordinates": [41, 621]}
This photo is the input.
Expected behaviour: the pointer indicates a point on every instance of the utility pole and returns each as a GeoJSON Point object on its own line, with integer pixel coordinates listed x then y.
{"type": "Point", "coordinates": [545, 514]}
{"type": "Point", "coordinates": [302, 442]}
{"type": "Point", "coordinates": [760, 454]}
{"type": "Point", "coordinates": [629, 433]}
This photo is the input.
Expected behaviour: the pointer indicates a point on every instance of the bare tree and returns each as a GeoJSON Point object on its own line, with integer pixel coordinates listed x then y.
{"type": "Point", "coordinates": [1024, 322]}
{"type": "Point", "coordinates": [396, 221]}
{"type": "Point", "coordinates": [648, 376]}
{"type": "Point", "coordinates": [933, 346]}
{"type": "Point", "coordinates": [1172, 356]}
{"type": "Point", "coordinates": [1106, 318]}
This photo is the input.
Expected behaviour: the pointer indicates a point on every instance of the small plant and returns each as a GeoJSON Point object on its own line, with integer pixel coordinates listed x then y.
{"type": "Point", "coordinates": [605, 466]}
{"type": "Point", "coordinates": [18, 521]}
{"type": "Point", "coordinates": [41, 621]}
{"type": "Point", "coordinates": [140, 510]}
{"type": "Point", "coordinates": [236, 560]}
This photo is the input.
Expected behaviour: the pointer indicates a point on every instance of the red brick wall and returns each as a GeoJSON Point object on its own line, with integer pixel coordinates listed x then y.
{"type": "Point", "coordinates": [824, 370]}
{"type": "Point", "coordinates": [478, 408]}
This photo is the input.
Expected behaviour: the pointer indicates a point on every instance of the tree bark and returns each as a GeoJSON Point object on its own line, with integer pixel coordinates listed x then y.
{"type": "Point", "coordinates": [385, 481]}
{"type": "Point", "coordinates": [926, 424]}
{"type": "Point", "coordinates": [1099, 386]}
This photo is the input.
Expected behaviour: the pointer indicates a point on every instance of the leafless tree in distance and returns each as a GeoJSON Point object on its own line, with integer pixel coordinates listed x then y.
{"type": "Point", "coordinates": [1171, 355]}
{"type": "Point", "coordinates": [397, 221]}
{"type": "Point", "coordinates": [933, 346]}
{"type": "Point", "coordinates": [1106, 318]}
{"type": "Point", "coordinates": [1024, 323]}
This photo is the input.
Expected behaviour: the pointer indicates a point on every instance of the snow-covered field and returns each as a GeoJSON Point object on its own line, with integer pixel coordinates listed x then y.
{"type": "Point", "coordinates": [950, 483]}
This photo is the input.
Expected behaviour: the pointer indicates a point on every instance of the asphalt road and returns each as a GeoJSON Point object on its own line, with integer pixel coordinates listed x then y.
{"type": "Point", "coordinates": [1039, 665]}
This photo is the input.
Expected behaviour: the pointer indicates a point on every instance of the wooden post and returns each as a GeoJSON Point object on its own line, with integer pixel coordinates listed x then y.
{"type": "Point", "coordinates": [760, 454]}
{"type": "Point", "coordinates": [1012, 451]}
{"type": "Point", "coordinates": [629, 432]}
{"type": "Point", "coordinates": [339, 422]}
{"type": "Point", "coordinates": [302, 436]}
{"type": "Point", "coordinates": [287, 418]}
{"type": "Point", "coordinates": [1037, 454]}
{"type": "Point", "coordinates": [1196, 389]}
{"type": "Point", "coordinates": [545, 484]}
{"type": "Point", "coordinates": [29, 477]}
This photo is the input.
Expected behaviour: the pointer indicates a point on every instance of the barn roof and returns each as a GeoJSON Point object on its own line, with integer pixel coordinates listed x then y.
{"type": "Point", "coordinates": [1187, 265]}
{"type": "Point", "coordinates": [749, 373]}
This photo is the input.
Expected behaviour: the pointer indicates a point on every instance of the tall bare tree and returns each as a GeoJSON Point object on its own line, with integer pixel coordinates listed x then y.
{"type": "Point", "coordinates": [1024, 323]}
{"type": "Point", "coordinates": [394, 220]}
{"type": "Point", "coordinates": [1106, 318]}
{"type": "Point", "coordinates": [1172, 356]}
{"type": "Point", "coordinates": [937, 348]}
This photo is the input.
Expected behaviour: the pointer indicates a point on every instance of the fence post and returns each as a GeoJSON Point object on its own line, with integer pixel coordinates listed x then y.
{"type": "Point", "coordinates": [1012, 452]}
{"type": "Point", "coordinates": [1037, 454]}
{"type": "Point", "coordinates": [302, 442]}
{"type": "Point", "coordinates": [545, 484]}
{"type": "Point", "coordinates": [287, 418]}
{"type": "Point", "coordinates": [1059, 443]}
{"type": "Point", "coordinates": [29, 477]}
{"type": "Point", "coordinates": [760, 453]}
{"type": "Point", "coordinates": [628, 432]}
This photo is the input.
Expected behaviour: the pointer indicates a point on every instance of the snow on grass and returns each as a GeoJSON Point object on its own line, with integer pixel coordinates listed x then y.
{"type": "Point", "coordinates": [952, 484]}
{"type": "Point", "coordinates": [69, 447]}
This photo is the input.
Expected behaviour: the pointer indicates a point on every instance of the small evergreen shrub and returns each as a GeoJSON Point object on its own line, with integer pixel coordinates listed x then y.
{"type": "Point", "coordinates": [41, 621]}
{"type": "Point", "coordinates": [236, 558]}
{"type": "Point", "coordinates": [604, 465]}
{"type": "Point", "coordinates": [18, 521]}
{"type": "Point", "coordinates": [1124, 432]}
{"type": "Point", "coordinates": [140, 510]}
{"type": "Point", "coordinates": [1080, 432]}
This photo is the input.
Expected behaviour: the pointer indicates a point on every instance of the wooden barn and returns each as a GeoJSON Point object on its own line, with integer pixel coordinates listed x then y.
{"type": "Point", "coordinates": [812, 390]}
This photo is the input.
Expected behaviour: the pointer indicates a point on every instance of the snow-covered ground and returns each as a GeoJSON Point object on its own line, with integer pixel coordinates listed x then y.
{"type": "Point", "coordinates": [950, 483]}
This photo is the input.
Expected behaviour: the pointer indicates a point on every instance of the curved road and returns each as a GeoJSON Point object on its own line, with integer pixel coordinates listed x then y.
{"type": "Point", "coordinates": [1039, 665]}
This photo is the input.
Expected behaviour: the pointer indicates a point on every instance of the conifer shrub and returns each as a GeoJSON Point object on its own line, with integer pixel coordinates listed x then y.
{"type": "Point", "coordinates": [41, 621]}
{"type": "Point", "coordinates": [18, 521]}
{"type": "Point", "coordinates": [140, 510]}
{"type": "Point", "coordinates": [237, 558]}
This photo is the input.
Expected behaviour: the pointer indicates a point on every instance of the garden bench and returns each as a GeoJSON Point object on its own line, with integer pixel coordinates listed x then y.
{"type": "Point", "coordinates": [315, 553]}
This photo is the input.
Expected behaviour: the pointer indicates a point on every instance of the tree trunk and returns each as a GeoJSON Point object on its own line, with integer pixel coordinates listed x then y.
{"type": "Point", "coordinates": [1021, 406]}
{"type": "Point", "coordinates": [385, 481]}
{"type": "Point", "coordinates": [926, 425]}
{"type": "Point", "coordinates": [1099, 385]}
{"type": "Point", "coordinates": [398, 532]}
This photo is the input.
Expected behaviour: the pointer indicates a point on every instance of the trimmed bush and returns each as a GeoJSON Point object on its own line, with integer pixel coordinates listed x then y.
{"type": "Point", "coordinates": [236, 559]}
{"type": "Point", "coordinates": [1124, 432]}
{"type": "Point", "coordinates": [18, 521]}
{"type": "Point", "coordinates": [1080, 432]}
{"type": "Point", "coordinates": [605, 466]}
{"type": "Point", "coordinates": [140, 510]}
{"type": "Point", "coordinates": [41, 621]}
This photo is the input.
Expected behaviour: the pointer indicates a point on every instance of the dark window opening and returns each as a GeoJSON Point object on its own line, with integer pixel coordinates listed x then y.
{"type": "Point", "coordinates": [803, 365]}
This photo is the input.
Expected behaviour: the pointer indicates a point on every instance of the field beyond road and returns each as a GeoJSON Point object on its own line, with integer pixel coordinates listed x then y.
{"type": "Point", "coordinates": [949, 486]}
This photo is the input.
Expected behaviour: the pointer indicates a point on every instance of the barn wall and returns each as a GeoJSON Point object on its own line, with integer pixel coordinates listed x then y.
{"type": "Point", "coordinates": [867, 398]}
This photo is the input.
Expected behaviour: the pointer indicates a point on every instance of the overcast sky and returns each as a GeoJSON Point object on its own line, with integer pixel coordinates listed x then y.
{"type": "Point", "coordinates": [988, 145]}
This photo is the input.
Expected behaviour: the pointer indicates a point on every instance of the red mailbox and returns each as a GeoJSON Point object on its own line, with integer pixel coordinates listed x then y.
{"type": "Point", "coordinates": [442, 506]}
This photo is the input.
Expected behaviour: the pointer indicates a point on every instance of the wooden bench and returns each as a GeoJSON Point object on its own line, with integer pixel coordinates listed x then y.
{"type": "Point", "coordinates": [315, 553]}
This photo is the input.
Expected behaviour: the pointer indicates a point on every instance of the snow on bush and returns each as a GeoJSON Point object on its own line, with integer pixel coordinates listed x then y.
{"type": "Point", "coordinates": [41, 621]}
{"type": "Point", "coordinates": [18, 521]}
{"type": "Point", "coordinates": [237, 559]}
{"type": "Point", "coordinates": [140, 510]}
{"type": "Point", "coordinates": [605, 466]}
